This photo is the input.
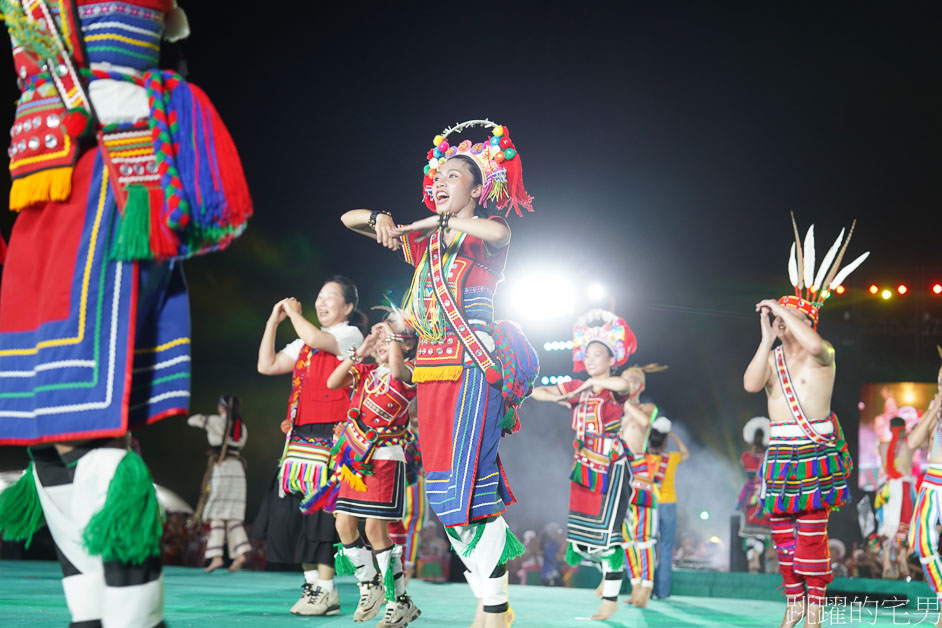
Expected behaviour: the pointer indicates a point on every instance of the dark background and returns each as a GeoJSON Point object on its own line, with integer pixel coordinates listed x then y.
{"type": "Point", "coordinates": [664, 144]}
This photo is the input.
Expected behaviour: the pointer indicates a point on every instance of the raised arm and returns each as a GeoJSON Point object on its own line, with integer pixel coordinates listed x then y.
{"type": "Point", "coordinates": [919, 437]}
{"type": "Point", "coordinates": [684, 452]}
{"type": "Point", "coordinates": [495, 232]}
{"type": "Point", "coordinates": [269, 361]}
{"type": "Point", "coordinates": [804, 333]}
{"type": "Point", "coordinates": [358, 220]}
{"type": "Point", "coordinates": [307, 331]}
{"type": "Point", "coordinates": [758, 372]}
{"type": "Point", "coordinates": [614, 383]}
{"type": "Point", "coordinates": [546, 393]}
{"type": "Point", "coordinates": [397, 362]}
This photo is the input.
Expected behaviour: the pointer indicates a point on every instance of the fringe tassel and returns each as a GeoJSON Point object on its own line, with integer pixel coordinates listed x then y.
{"type": "Point", "coordinates": [325, 498]}
{"type": "Point", "coordinates": [437, 373]}
{"type": "Point", "coordinates": [511, 421]}
{"type": "Point", "coordinates": [478, 533]}
{"type": "Point", "coordinates": [512, 548]}
{"type": "Point", "coordinates": [517, 196]}
{"type": "Point", "coordinates": [132, 237]}
{"type": "Point", "coordinates": [573, 557]}
{"type": "Point", "coordinates": [351, 478]}
{"type": "Point", "coordinates": [54, 184]}
{"type": "Point", "coordinates": [21, 513]}
{"type": "Point", "coordinates": [342, 564]}
{"type": "Point", "coordinates": [128, 527]}
{"type": "Point", "coordinates": [615, 560]}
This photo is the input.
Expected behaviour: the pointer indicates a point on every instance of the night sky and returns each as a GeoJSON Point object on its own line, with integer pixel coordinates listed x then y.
{"type": "Point", "coordinates": [664, 145]}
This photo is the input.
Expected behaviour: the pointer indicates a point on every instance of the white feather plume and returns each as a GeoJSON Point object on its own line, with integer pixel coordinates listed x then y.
{"type": "Point", "coordinates": [847, 270]}
{"type": "Point", "coordinates": [793, 267]}
{"type": "Point", "coordinates": [809, 257]}
{"type": "Point", "coordinates": [826, 262]}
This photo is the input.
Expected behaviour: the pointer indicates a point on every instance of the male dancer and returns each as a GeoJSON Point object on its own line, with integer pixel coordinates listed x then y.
{"type": "Point", "coordinates": [807, 463]}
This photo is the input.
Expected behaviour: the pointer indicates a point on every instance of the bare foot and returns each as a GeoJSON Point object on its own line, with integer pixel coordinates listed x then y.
{"type": "Point", "coordinates": [635, 590]}
{"type": "Point", "coordinates": [238, 563]}
{"type": "Point", "coordinates": [793, 614]}
{"type": "Point", "coordinates": [214, 564]}
{"type": "Point", "coordinates": [644, 594]}
{"type": "Point", "coordinates": [499, 620]}
{"type": "Point", "coordinates": [606, 610]}
{"type": "Point", "coordinates": [479, 615]}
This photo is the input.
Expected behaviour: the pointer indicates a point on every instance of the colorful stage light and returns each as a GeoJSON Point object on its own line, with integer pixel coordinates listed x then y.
{"type": "Point", "coordinates": [902, 289]}
{"type": "Point", "coordinates": [886, 294]}
{"type": "Point", "coordinates": [937, 288]}
{"type": "Point", "coordinates": [840, 289]}
{"type": "Point", "coordinates": [873, 288]}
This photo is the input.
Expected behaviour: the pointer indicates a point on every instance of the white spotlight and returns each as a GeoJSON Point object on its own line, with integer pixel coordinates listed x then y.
{"type": "Point", "coordinates": [596, 292]}
{"type": "Point", "coordinates": [543, 296]}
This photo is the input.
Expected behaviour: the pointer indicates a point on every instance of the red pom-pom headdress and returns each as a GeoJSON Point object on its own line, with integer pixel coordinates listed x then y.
{"type": "Point", "coordinates": [497, 157]}
{"type": "Point", "coordinates": [602, 326]}
{"type": "Point", "coordinates": [812, 288]}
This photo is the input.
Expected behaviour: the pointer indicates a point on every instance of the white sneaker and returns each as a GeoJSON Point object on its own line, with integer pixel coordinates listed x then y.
{"type": "Point", "coordinates": [371, 601]}
{"type": "Point", "coordinates": [306, 590]}
{"type": "Point", "coordinates": [399, 613]}
{"type": "Point", "coordinates": [319, 603]}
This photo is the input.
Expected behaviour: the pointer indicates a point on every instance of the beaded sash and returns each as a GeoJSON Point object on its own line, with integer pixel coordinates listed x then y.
{"type": "Point", "coordinates": [793, 404]}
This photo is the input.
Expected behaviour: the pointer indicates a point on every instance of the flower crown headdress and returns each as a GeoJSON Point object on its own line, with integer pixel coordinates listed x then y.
{"type": "Point", "coordinates": [812, 288]}
{"type": "Point", "coordinates": [497, 158]}
{"type": "Point", "coordinates": [604, 327]}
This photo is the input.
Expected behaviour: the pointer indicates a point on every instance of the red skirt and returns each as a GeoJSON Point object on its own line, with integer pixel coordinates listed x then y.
{"type": "Point", "coordinates": [384, 497]}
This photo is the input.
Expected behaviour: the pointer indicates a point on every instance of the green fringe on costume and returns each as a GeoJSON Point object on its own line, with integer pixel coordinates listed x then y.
{"type": "Point", "coordinates": [572, 556]}
{"type": "Point", "coordinates": [342, 564]}
{"type": "Point", "coordinates": [478, 533]}
{"type": "Point", "coordinates": [128, 527]}
{"type": "Point", "coordinates": [21, 514]}
{"type": "Point", "coordinates": [389, 579]}
{"type": "Point", "coordinates": [509, 420]}
{"type": "Point", "coordinates": [451, 532]}
{"type": "Point", "coordinates": [132, 240]}
{"type": "Point", "coordinates": [615, 560]}
{"type": "Point", "coordinates": [512, 548]}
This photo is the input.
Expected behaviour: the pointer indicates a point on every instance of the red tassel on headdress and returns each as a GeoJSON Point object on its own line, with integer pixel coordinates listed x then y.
{"type": "Point", "coordinates": [518, 196]}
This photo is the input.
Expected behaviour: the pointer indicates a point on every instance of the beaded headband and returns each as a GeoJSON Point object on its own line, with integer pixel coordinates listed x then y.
{"type": "Point", "coordinates": [497, 159]}
{"type": "Point", "coordinates": [812, 288]}
{"type": "Point", "coordinates": [604, 327]}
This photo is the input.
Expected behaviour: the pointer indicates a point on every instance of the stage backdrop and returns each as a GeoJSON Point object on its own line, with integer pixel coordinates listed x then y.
{"type": "Point", "coordinates": [880, 402]}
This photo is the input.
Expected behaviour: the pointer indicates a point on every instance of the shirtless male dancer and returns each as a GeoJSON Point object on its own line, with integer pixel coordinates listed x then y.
{"type": "Point", "coordinates": [805, 471]}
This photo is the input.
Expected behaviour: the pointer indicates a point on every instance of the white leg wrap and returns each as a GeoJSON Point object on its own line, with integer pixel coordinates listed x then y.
{"type": "Point", "coordinates": [475, 583]}
{"type": "Point", "coordinates": [136, 606]}
{"type": "Point", "coordinates": [495, 591]}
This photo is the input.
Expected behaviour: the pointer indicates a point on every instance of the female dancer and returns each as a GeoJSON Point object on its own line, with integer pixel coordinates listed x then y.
{"type": "Point", "coordinates": [598, 496]}
{"type": "Point", "coordinates": [459, 258]}
{"type": "Point", "coordinates": [314, 411]}
{"type": "Point", "coordinates": [369, 467]}
{"type": "Point", "coordinates": [754, 525]}
{"type": "Point", "coordinates": [222, 501]}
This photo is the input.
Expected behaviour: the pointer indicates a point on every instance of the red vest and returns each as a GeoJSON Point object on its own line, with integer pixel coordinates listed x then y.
{"type": "Point", "coordinates": [316, 402]}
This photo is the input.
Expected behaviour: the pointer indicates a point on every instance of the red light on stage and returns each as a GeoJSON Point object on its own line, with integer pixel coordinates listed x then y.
{"type": "Point", "coordinates": [840, 289]}
{"type": "Point", "coordinates": [874, 288]}
{"type": "Point", "coordinates": [902, 289]}
{"type": "Point", "coordinates": [937, 288]}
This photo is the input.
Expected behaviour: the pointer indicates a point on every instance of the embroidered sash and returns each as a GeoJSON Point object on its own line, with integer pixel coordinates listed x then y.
{"type": "Point", "coordinates": [792, 399]}
{"type": "Point", "coordinates": [469, 340]}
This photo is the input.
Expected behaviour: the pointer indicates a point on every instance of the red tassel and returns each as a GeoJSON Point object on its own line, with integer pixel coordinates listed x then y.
{"type": "Point", "coordinates": [518, 196]}
{"type": "Point", "coordinates": [162, 242]}
{"type": "Point", "coordinates": [427, 193]}
{"type": "Point", "coordinates": [234, 187]}
{"type": "Point", "coordinates": [75, 122]}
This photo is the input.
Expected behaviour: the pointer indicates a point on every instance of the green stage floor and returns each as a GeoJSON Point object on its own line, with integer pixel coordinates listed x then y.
{"type": "Point", "coordinates": [30, 595]}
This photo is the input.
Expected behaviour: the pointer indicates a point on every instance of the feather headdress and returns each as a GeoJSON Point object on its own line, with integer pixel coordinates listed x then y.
{"type": "Point", "coordinates": [812, 288]}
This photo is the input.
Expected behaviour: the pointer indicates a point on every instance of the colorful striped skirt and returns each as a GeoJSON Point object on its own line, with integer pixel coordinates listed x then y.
{"type": "Point", "coordinates": [802, 475]}
{"type": "Point", "coordinates": [595, 518]}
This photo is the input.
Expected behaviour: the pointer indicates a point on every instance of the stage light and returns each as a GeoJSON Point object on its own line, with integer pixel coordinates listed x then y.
{"type": "Point", "coordinates": [547, 346]}
{"type": "Point", "coordinates": [874, 289]}
{"type": "Point", "coordinates": [715, 540]}
{"type": "Point", "coordinates": [596, 292]}
{"type": "Point", "coordinates": [937, 288]}
{"type": "Point", "coordinates": [840, 289]}
{"type": "Point", "coordinates": [553, 379]}
{"type": "Point", "coordinates": [544, 380]}
{"type": "Point", "coordinates": [886, 294]}
{"type": "Point", "coordinates": [704, 515]}
{"type": "Point", "coordinates": [902, 288]}
{"type": "Point", "coordinates": [544, 296]}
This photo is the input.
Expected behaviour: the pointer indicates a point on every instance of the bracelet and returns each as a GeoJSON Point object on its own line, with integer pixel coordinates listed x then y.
{"type": "Point", "coordinates": [394, 338]}
{"type": "Point", "coordinates": [352, 354]}
{"type": "Point", "coordinates": [443, 220]}
{"type": "Point", "coordinates": [373, 215]}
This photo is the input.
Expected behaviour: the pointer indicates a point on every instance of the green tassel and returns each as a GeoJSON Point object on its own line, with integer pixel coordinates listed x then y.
{"type": "Point", "coordinates": [342, 565]}
{"type": "Point", "coordinates": [615, 560]}
{"type": "Point", "coordinates": [453, 534]}
{"type": "Point", "coordinates": [512, 548]}
{"type": "Point", "coordinates": [21, 514]}
{"type": "Point", "coordinates": [478, 533]}
{"type": "Point", "coordinates": [389, 579]}
{"type": "Point", "coordinates": [572, 556]}
{"type": "Point", "coordinates": [509, 421]}
{"type": "Point", "coordinates": [133, 237]}
{"type": "Point", "coordinates": [128, 526]}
